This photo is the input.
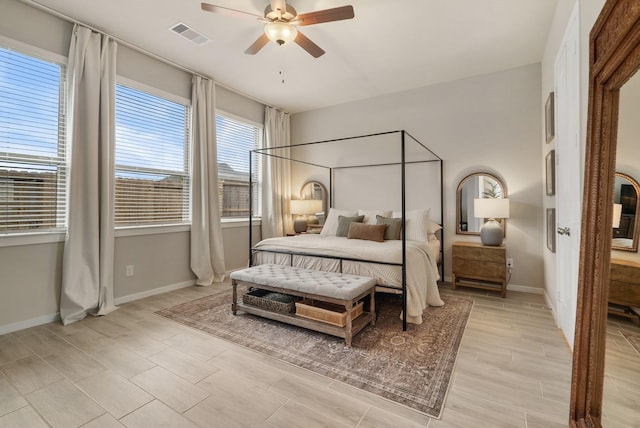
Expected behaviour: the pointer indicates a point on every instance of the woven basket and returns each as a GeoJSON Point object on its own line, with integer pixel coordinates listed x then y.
{"type": "Point", "coordinates": [276, 302]}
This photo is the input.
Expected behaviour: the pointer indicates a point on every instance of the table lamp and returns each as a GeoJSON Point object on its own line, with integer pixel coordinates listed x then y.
{"type": "Point", "coordinates": [491, 233]}
{"type": "Point", "coordinates": [304, 208]}
{"type": "Point", "coordinates": [617, 213]}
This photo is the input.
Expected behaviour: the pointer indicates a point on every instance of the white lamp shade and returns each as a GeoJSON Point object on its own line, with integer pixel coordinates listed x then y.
{"type": "Point", "coordinates": [617, 213]}
{"type": "Point", "coordinates": [280, 32]}
{"type": "Point", "coordinates": [306, 206]}
{"type": "Point", "coordinates": [491, 208]}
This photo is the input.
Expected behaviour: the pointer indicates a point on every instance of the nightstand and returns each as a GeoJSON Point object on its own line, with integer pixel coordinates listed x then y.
{"type": "Point", "coordinates": [624, 288]}
{"type": "Point", "coordinates": [480, 266]}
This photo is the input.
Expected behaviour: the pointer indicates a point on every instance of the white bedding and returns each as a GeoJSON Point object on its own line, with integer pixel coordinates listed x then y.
{"type": "Point", "coordinates": [422, 269]}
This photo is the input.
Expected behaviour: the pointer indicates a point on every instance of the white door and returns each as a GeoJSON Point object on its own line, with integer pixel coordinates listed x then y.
{"type": "Point", "coordinates": [568, 180]}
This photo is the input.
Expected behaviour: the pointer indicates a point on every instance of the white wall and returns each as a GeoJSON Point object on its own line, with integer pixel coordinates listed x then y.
{"type": "Point", "coordinates": [30, 275]}
{"type": "Point", "coordinates": [486, 123]}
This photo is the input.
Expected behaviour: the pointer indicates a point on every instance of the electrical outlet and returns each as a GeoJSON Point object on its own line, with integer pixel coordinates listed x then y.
{"type": "Point", "coordinates": [510, 263]}
{"type": "Point", "coordinates": [129, 270]}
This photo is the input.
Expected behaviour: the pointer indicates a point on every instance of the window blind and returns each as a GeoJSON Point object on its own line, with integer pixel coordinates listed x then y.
{"type": "Point", "coordinates": [235, 140]}
{"type": "Point", "coordinates": [33, 151]}
{"type": "Point", "coordinates": [152, 184]}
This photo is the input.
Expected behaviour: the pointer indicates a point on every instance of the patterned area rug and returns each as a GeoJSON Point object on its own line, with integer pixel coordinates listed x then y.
{"type": "Point", "coordinates": [633, 339]}
{"type": "Point", "coordinates": [412, 368]}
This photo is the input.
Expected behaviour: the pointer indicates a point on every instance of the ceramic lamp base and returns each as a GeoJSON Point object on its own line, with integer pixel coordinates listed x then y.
{"type": "Point", "coordinates": [491, 233]}
{"type": "Point", "coordinates": [300, 226]}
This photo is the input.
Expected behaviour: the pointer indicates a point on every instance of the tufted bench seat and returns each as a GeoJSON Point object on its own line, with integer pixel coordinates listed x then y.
{"type": "Point", "coordinates": [342, 289]}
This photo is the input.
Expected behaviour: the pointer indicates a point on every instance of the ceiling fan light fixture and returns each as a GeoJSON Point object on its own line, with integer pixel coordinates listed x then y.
{"type": "Point", "coordinates": [280, 32]}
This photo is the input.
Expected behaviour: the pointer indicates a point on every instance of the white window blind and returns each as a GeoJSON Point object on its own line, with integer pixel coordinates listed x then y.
{"type": "Point", "coordinates": [236, 139]}
{"type": "Point", "coordinates": [33, 155]}
{"type": "Point", "coordinates": [152, 159]}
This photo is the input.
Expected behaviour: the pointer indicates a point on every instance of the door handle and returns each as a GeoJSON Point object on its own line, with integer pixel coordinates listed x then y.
{"type": "Point", "coordinates": [564, 231]}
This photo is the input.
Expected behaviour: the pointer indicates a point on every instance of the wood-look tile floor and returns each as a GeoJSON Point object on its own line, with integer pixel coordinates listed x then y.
{"type": "Point", "coordinates": [133, 368]}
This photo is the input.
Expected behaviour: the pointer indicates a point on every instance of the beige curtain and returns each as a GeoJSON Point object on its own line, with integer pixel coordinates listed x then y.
{"type": "Point", "coordinates": [87, 266]}
{"type": "Point", "coordinates": [207, 252]}
{"type": "Point", "coordinates": [276, 179]}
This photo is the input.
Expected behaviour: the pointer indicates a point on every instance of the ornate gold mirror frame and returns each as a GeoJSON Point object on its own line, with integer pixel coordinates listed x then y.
{"type": "Point", "coordinates": [614, 57]}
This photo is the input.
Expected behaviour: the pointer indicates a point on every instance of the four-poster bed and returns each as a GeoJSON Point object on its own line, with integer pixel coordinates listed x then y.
{"type": "Point", "coordinates": [370, 171]}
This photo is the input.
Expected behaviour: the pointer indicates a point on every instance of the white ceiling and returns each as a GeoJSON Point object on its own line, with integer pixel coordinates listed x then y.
{"type": "Point", "coordinates": [390, 45]}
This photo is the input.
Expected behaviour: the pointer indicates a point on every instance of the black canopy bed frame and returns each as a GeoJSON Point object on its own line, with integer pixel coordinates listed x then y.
{"type": "Point", "coordinates": [405, 159]}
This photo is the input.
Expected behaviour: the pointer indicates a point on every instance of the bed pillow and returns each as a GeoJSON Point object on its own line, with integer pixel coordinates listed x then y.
{"type": "Point", "coordinates": [417, 223]}
{"type": "Point", "coordinates": [331, 223]}
{"type": "Point", "coordinates": [432, 230]}
{"type": "Point", "coordinates": [370, 232]}
{"type": "Point", "coordinates": [394, 227]}
{"type": "Point", "coordinates": [370, 215]}
{"type": "Point", "coordinates": [344, 223]}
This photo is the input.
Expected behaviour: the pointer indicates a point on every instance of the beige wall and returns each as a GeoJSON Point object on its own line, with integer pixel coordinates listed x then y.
{"type": "Point", "coordinates": [30, 275]}
{"type": "Point", "coordinates": [485, 123]}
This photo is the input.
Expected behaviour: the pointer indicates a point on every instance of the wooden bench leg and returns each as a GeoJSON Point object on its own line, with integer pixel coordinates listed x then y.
{"type": "Point", "coordinates": [372, 304]}
{"type": "Point", "coordinates": [234, 297]}
{"type": "Point", "coordinates": [348, 332]}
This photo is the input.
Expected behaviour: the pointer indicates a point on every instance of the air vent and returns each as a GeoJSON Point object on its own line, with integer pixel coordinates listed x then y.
{"type": "Point", "coordinates": [189, 33]}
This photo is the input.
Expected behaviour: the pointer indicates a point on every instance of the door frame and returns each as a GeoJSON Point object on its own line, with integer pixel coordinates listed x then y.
{"type": "Point", "coordinates": [614, 56]}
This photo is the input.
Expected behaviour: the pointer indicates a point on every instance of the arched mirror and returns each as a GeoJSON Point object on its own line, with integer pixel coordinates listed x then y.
{"type": "Point", "coordinates": [315, 191]}
{"type": "Point", "coordinates": [479, 185]}
{"type": "Point", "coordinates": [614, 58]}
{"type": "Point", "coordinates": [625, 213]}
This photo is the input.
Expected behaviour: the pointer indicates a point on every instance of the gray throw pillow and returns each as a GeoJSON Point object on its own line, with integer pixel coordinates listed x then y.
{"type": "Point", "coordinates": [394, 226]}
{"type": "Point", "coordinates": [345, 222]}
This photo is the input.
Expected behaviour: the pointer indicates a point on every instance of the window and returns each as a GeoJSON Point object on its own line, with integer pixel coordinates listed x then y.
{"type": "Point", "coordinates": [152, 159]}
{"type": "Point", "coordinates": [236, 138]}
{"type": "Point", "coordinates": [33, 163]}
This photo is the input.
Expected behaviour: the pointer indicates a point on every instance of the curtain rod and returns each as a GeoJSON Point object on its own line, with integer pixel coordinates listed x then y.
{"type": "Point", "coordinates": [67, 18]}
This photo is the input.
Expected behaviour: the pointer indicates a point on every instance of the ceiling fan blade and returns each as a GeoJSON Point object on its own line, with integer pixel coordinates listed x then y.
{"type": "Point", "coordinates": [327, 15]}
{"type": "Point", "coordinates": [228, 12]}
{"type": "Point", "coordinates": [305, 43]}
{"type": "Point", "coordinates": [257, 45]}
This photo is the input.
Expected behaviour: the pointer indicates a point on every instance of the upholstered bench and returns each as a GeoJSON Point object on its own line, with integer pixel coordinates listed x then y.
{"type": "Point", "coordinates": [330, 287]}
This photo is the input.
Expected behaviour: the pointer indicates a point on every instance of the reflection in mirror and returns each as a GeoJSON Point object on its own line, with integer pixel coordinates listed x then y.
{"type": "Point", "coordinates": [622, 327]}
{"type": "Point", "coordinates": [479, 185]}
{"type": "Point", "coordinates": [625, 213]}
{"type": "Point", "coordinates": [313, 190]}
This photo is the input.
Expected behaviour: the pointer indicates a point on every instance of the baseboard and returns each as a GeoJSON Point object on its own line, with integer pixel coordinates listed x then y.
{"type": "Point", "coordinates": [512, 287]}
{"type": "Point", "coordinates": [551, 306]}
{"type": "Point", "coordinates": [525, 289]}
{"type": "Point", "coordinates": [153, 292]}
{"type": "Point", "coordinates": [33, 322]}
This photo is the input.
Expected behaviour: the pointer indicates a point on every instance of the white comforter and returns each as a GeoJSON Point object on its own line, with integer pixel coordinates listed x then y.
{"type": "Point", "coordinates": [422, 271]}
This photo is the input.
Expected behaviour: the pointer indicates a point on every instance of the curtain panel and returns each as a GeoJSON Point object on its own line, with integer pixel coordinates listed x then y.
{"type": "Point", "coordinates": [87, 267]}
{"type": "Point", "coordinates": [276, 179]}
{"type": "Point", "coordinates": [207, 252]}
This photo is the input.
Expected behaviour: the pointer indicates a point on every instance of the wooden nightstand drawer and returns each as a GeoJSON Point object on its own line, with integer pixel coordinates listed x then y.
{"type": "Point", "coordinates": [479, 266]}
{"type": "Point", "coordinates": [480, 253]}
{"type": "Point", "coordinates": [479, 269]}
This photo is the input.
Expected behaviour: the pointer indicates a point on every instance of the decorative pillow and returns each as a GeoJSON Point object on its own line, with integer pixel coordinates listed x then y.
{"type": "Point", "coordinates": [370, 215]}
{"type": "Point", "coordinates": [394, 226]}
{"type": "Point", "coordinates": [417, 223]}
{"type": "Point", "coordinates": [433, 227]}
{"type": "Point", "coordinates": [345, 222]}
{"type": "Point", "coordinates": [331, 223]}
{"type": "Point", "coordinates": [370, 232]}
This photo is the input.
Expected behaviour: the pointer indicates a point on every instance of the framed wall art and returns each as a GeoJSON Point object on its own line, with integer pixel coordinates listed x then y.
{"type": "Point", "coordinates": [549, 121]}
{"type": "Point", "coordinates": [551, 229]}
{"type": "Point", "coordinates": [550, 168]}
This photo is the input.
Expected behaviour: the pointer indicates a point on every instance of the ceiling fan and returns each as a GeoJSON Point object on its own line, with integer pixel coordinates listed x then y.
{"type": "Point", "coordinates": [282, 21]}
